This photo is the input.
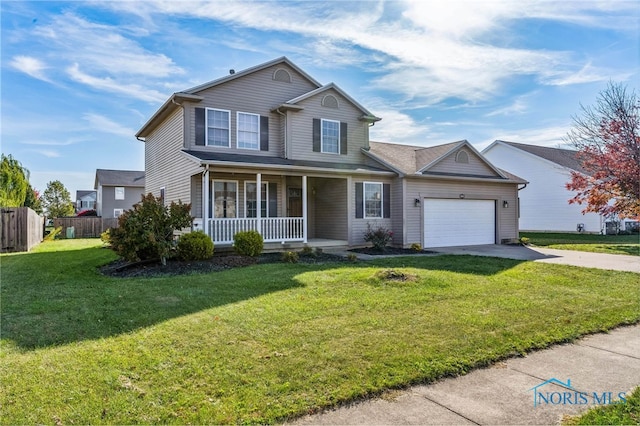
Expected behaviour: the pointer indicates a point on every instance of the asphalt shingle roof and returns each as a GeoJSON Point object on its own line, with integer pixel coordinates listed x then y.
{"type": "Point", "coordinates": [563, 157]}
{"type": "Point", "coordinates": [119, 177]}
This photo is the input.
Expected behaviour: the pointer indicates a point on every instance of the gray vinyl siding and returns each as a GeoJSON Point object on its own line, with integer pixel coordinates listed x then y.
{"type": "Point", "coordinates": [328, 199]}
{"type": "Point", "coordinates": [165, 165]}
{"type": "Point", "coordinates": [476, 165]}
{"type": "Point", "coordinates": [301, 134]}
{"type": "Point", "coordinates": [132, 195]}
{"type": "Point", "coordinates": [507, 219]}
{"type": "Point", "coordinates": [359, 225]}
{"type": "Point", "coordinates": [255, 93]}
{"type": "Point", "coordinates": [196, 196]}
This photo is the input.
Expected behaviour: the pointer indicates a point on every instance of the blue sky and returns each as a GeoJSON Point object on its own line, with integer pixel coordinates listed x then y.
{"type": "Point", "coordinates": [80, 78]}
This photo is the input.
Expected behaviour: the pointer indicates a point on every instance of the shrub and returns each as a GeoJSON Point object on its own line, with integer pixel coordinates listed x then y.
{"type": "Point", "coordinates": [351, 257]}
{"type": "Point", "coordinates": [146, 231]}
{"type": "Point", "coordinates": [416, 247]}
{"type": "Point", "coordinates": [379, 237]}
{"type": "Point", "coordinates": [306, 251]}
{"type": "Point", "coordinates": [53, 234]}
{"type": "Point", "coordinates": [524, 241]}
{"type": "Point", "coordinates": [248, 243]}
{"type": "Point", "coordinates": [194, 246]}
{"type": "Point", "coordinates": [105, 237]}
{"type": "Point", "coordinates": [289, 257]}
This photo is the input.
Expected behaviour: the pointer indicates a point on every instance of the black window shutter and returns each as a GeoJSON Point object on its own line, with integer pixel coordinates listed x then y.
{"type": "Point", "coordinates": [264, 133]}
{"type": "Point", "coordinates": [273, 199]}
{"type": "Point", "coordinates": [316, 135]}
{"type": "Point", "coordinates": [386, 200]}
{"type": "Point", "coordinates": [200, 126]}
{"type": "Point", "coordinates": [343, 138]}
{"type": "Point", "coordinates": [359, 196]}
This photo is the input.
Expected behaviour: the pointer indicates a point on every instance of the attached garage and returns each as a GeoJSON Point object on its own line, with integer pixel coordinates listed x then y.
{"type": "Point", "coordinates": [459, 222]}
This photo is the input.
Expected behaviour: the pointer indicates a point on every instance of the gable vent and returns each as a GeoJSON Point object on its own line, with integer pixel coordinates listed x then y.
{"type": "Point", "coordinates": [282, 75]}
{"type": "Point", "coordinates": [330, 101]}
{"type": "Point", "coordinates": [462, 157]}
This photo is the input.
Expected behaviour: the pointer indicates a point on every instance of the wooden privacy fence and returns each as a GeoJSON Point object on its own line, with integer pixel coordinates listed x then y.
{"type": "Point", "coordinates": [84, 226]}
{"type": "Point", "coordinates": [21, 228]}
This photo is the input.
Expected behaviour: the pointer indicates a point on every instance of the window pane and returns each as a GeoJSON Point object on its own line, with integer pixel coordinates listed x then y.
{"type": "Point", "coordinates": [119, 193]}
{"type": "Point", "coordinates": [248, 128]}
{"type": "Point", "coordinates": [218, 128]}
{"type": "Point", "coordinates": [330, 136]}
{"type": "Point", "coordinates": [224, 199]}
{"type": "Point", "coordinates": [252, 200]}
{"type": "Point", "coordinates": [373, 200]}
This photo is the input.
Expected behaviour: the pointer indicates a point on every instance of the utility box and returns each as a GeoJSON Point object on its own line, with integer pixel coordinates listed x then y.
{"type": "Point", "coordinates": [71, 232]}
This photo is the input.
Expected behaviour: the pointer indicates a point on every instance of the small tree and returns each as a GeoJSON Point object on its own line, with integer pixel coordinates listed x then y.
{"type": "Point", "coordinates": [33, 200]}
{"type": "Point", "coordinates": [607, 137]}
{"type": "Point", "coordinates": [146, 231]}
{"type": "Point", "coordinates": [56, 200]}
{"type": "Point", "coordinates": [14, 182]}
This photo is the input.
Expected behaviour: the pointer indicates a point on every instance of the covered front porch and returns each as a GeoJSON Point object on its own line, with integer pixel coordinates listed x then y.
{"type": "Point", "coordinates": [295, 210]}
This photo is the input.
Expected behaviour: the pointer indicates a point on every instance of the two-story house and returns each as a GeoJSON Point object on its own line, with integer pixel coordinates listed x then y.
{"type": "Point", "coordinates": [117, 191]}
{"type": "Point", "coordinates": [271, 149]}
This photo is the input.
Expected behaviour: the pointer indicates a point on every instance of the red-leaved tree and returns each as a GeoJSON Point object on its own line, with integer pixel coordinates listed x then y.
{"type": "Point", "coordinates": [607, 138]}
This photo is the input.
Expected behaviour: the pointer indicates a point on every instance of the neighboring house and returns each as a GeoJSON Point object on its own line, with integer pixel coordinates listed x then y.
{"type": "Point", "coordinates": [117, 191]}
{"type": "Point", "coordinates": [85, 200]}
{"type": "Point", "coordinates": [269, 148]}
{"type": "Point", "coordinates": [544, 205]}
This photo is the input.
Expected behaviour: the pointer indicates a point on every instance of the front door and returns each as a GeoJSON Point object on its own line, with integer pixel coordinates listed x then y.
{"type": "Point", "coordinates": [294, 202]}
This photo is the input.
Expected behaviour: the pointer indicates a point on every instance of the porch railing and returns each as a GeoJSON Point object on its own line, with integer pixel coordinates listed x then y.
{"type": "Point", "coordinates": [272, 229]}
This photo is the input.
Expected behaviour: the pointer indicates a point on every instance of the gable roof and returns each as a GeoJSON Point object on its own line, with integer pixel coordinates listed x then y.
{"type": "Point", "coordinates": [368, 116]}
{"type": "Point", "coordinates": [562, 157]}
{"type": "Point", "coordinates": [192, 94]}
{"type": "Point", "coordinates": [83, 193]}
{"type": "Point", "coordinates": [119, 178]}
{"type": "Point", "coordinates": [415, 160]}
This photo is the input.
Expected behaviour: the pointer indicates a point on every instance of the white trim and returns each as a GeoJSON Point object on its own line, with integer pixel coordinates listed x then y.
{"type": "Point", "coordinates": [116, 215]}
{"type": "Point", "coordinates": [257, 148]}
{"type": "Point", "coordinates": [364, 200]}
{"type": "Point", "coordinates": [322, 120]}
{"type": "Point", "coordinates": [206, 127]}
{"type": "Point", "coordinates": [305, 221]}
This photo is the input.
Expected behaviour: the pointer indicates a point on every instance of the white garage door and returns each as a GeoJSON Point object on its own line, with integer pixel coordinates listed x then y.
{"type": "Point", "coordinates": [459, 222]}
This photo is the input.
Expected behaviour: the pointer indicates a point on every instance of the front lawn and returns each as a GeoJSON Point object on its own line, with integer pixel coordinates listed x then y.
{"type": "Point", "coordinates": [611, 244]}
{"type": "Point", "coordinates": [627, 413]}
{"type": "Point", "coordinates": [269, 342]}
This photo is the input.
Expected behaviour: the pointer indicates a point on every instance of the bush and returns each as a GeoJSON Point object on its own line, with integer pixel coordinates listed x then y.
{"type": "Point", "coordinates": [379, 237]}
{"type": "Point", "coordinates": [146, 231]}
{"type": "Point", "coordinates": [195, 246]}
{"type": "Point", "coordinates": [248, 243]}
{"type": "Point", "coordinates": [524, 241]}
{"type": "Point", "coordinates": [351, 257]}
{"type": "Point", "coordinates": [105, 237]}
{"type": "Point", "coordinates": [416, 247]}
{"type": "Point", "coordinates": [289, 257]}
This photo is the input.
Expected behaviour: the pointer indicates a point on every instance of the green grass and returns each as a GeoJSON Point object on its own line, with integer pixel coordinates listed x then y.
{"type": "Point", "coordinates": [611, 244]}
{"type": "Point", "coordinates": [270, 342]}
{"type": "Point", "coordinates": [627, 413]}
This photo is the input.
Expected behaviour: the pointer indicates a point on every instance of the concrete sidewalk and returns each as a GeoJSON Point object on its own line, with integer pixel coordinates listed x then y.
{"type": "Point", "coordinates": [583, 373]}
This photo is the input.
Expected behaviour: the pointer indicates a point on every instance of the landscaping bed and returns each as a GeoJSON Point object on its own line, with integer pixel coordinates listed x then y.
{"type": "Point", "coordinates": [390, 251]}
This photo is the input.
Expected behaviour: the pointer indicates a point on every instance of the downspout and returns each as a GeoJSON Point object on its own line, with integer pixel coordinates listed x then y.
{"type": "Point", "coordinates": [286, 145]}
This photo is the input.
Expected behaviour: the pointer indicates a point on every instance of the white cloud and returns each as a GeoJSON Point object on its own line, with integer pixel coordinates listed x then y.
{"type": "Point", "coordinates": [100, 123]}
{"type": "Point", "coordinates": [544, 136]}
{"type": "Point", "coordinates": [519, 106]}
{"type": "Point", "coordinates": [49, 153]}
{"type": "Point", "coordinates": [108, 84]}
{"type": "Point", "coordinates": [398, 127]}
{"type": "Point", "coordinates": [30, 66]}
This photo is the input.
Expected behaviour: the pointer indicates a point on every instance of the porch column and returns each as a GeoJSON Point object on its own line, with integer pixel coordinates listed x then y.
{"type": "Point", "coordinates": [205, 202]}
{"type": "Point", "coordinates": [259, 202]}
{"type": "Point", "coordinates": [304, 209]}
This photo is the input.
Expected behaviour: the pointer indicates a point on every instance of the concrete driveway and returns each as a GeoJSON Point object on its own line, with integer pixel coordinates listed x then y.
{"type": "Point", "coordinates": [545, 255]}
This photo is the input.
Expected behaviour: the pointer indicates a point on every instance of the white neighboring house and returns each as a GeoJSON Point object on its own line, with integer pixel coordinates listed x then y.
{"type": "Point", "coordinates": [544, 203]}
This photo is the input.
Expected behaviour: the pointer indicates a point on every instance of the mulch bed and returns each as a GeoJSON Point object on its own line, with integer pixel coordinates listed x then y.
{"type": "Point", "coordinates": [219, 262]}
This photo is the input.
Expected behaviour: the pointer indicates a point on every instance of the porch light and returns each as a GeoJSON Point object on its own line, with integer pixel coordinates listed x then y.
{"type": "Point", "coordinates": [416, 202]}
{"type": "Point", "coordinates": [505, 204]}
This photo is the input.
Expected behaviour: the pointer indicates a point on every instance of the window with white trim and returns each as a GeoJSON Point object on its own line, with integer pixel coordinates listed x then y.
{"type": "Point", "coordinates": [117, 212]}
{"type": "Point", "coordinates": [372, 199]}
{"type": "Point", "coordinates": [218, 127]}
{"type": "Point", "coordinates": [224, 199]}
{"type": "Point", "coordinates": [119, 192]}
{"type": "Point", "coordinates": [330, 136]}
{"type": "Point", "coordinates": [248, 130]}
{"type": "Point", "coordinates": [251, 199]}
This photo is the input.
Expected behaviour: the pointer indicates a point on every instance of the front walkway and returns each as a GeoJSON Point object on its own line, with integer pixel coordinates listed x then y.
{"type": "Point", "coordinates": [517, 391]}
